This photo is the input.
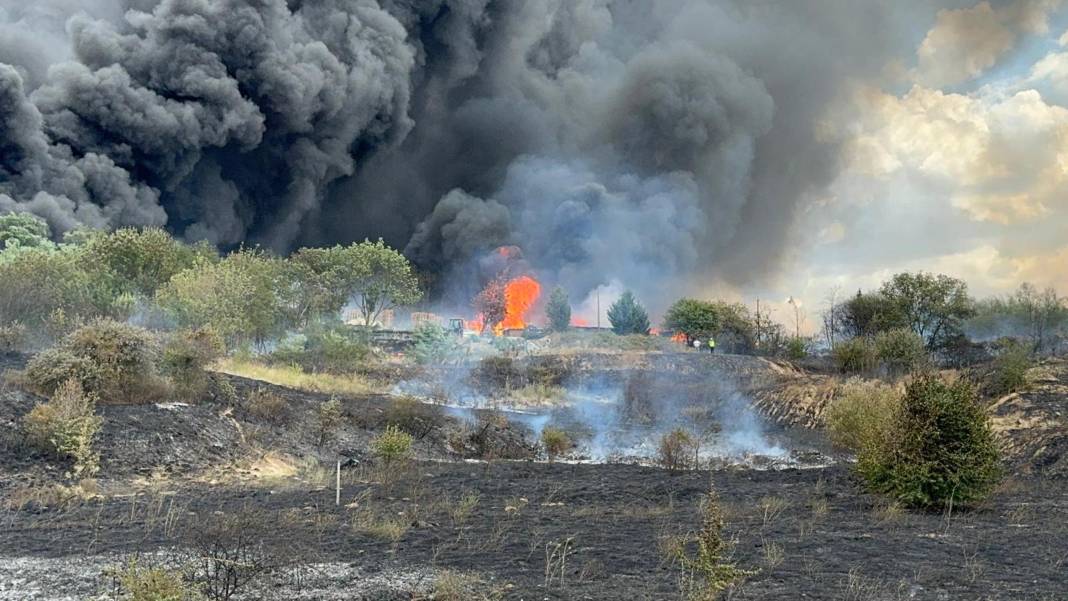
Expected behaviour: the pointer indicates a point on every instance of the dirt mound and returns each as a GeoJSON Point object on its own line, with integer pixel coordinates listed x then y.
{"type": "Point", "coordinates": [1033, 424]}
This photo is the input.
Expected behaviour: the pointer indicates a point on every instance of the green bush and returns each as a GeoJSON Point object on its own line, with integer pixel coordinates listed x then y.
{"type": "Point", "coordinates": [860, 413]}
{"type": "Point", "coordinates": [938, 450]}
{"type": "Point", "coordinates": [66, 426]}
{"type": "Point", "coordinates": [797, 348]}
{"type": "Point", "coordinates": [334, 349]}
{"type": "Point", "coordinates": [855, 355]}
{"type": "Point", "coordinates": [704, 556]}
{"type": "Point", "coordinates": [1008, 372]}
{"type": "Point", "coordinates": [900, 350]}
{"type": "Point", "coordinates": [114, 362]}
{"type": "Point", "coordinates": [392, 445]}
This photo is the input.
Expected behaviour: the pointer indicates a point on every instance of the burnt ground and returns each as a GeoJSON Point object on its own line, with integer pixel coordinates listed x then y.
{"type": "Point", "coordinates": [169, 472]}
{"type": "Point", "coordinates": [809, 532]}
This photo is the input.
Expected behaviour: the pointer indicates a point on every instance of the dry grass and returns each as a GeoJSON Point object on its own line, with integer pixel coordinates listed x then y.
{"type": "Point", "coordinates": [294, 377]}
{"type": "Point", "coordinates": [538, 395]}
{"type": "Point", "coordinates": [51, 496]}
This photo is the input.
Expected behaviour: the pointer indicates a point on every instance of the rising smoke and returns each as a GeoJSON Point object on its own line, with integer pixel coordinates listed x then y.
{"type": "Point", "coordinates": [610, 139]}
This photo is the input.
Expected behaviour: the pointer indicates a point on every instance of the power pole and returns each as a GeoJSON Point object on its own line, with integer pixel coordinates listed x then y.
{"type": "Point", "coordinates": [598, 308]}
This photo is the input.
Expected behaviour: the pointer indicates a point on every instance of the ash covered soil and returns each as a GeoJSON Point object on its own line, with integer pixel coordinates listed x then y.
{"type": "Point", "coordinates": [522, 528]}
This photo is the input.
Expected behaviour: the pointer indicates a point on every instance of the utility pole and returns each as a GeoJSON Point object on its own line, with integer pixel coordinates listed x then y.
{"type": "Point", "coordinates": [598, 308]}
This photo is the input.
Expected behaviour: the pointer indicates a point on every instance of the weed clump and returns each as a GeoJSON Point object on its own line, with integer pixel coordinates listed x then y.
{"type": "Point", "coordinates": [153, 583]}
{"type": "Point", "coordinates": [12, 337]}
{"type": "Point", "coordinates": [268, 406]}
{"type": "Point", "coordinates": [414, 417]}
{"type": "Point", "coordinates": [938, 449]}
{"type": "Point", "coordinates": [65, 427]}
{"type": "Point", "coordinates": [328, 419]}
{"type": "Point", "coordinates": [704, 555]}
{"type": "Point", "coordinates": [392, 445]}
{"type": "Point", "coordinates": [555, 441]}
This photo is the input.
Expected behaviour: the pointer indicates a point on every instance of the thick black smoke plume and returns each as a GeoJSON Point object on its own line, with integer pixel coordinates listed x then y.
{"type": "Point", "coordinates": [610, 139]}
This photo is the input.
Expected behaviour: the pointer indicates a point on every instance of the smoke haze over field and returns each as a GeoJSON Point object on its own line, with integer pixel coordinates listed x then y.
{"type": "Point", "coordinates": [666, 145]}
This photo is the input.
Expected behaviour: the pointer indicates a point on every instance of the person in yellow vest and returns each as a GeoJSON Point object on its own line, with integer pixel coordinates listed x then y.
{"type": "Point", "coordinates": [711, 345]}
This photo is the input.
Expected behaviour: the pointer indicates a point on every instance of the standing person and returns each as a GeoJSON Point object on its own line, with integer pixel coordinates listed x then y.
{"type": "Point", "coordinates": [696, 344]}
{"type": "Point", "coordinates": [711, 345]}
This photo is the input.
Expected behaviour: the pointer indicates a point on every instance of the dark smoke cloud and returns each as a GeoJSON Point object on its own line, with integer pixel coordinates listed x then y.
{"type": "Point", "coordinates": [611, 139]}
{"type": "Point", "coordinates": [224, 119]}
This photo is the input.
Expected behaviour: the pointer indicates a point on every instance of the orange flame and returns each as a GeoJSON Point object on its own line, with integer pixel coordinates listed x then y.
{"type": "Point", "coordinates": [520, 295]}
{"type": "Point", "coordinates": [679, 337]}
{"type": "Point", "coordinates": [578, 322]}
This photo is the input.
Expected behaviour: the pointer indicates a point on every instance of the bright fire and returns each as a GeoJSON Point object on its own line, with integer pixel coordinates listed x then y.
{"type": "Point", "coordinates": [520, 295]}
{"type": "Point", "coordinates": [578, 322]}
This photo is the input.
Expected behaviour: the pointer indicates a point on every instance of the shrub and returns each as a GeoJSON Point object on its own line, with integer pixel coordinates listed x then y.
{"type": "Point", "coordinates": [855, 355]}
{"type": "Point", "coordinates": [114, 362]}
{"type": "Point", "coordinates": [392, 445]}
{"type": "Point", "coordinates": [12, 337]}
{"type": "Point", "coordinates": [38, 281]}
{"type": "Point", "coordinates": [797, 348]}
{"type": "Point", "coordinates": [66, 426]}
{"type": "Point", "coordinates": [860, 412]}
{"type": "Point", "coordinates": [674, 452]}
{"type": "Point", "coordinates": [1008, 372]}
{"type": "Point", "coordinates": [267, 405]}
{"type": "Point", "coordinates": [900, 350]}
{"type": "Point", "coordinates": [328, 419]}
{"type": "Point", "coordinates": [555, 441]}
{"type": "Point", "coordinates": [412, 416]}
{"type": "Point", "coordinates": [186, 356]}
{"type": "Point", "coordinates": [331, 349]}
{"type": "Point", "coordinates": [703, 555]}
{"type": "Point", "coordinates": [939, 449]}
{"type": "Point", "coordinates": [434, 345]}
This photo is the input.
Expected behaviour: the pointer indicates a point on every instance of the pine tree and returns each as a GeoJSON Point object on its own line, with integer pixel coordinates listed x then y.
{"type": "Point", "coordinates": [627, 316]}
{"type": "Point", "coordinates": [558, 310]}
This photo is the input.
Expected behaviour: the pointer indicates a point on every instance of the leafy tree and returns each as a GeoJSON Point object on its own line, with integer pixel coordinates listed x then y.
{"type": "Point", "coordinates": [375, 275]}
{"type": "Point", "coordinates": [627, 316]}
{"type": "Point", "coordinates": [139, 261]}
{"type": "Point", "coordinates": [1029, 312]}
{"type": "Point", "coordinates": [382, 279]}
{"type": "Point", "coordinates": [558, 309]}
{"type": "Point", "coordinates": [933, 306]}
{"type": "Point", "coordinates": [865, 314]}
{"type": "Point", "coordinates": [694, 318]}
{"type": "Point", "coordinates": [490, 303]}
{"type": "Point", "coordinates": [24, 230]}
{"type": "Point", "coordinates": [246, 297]}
